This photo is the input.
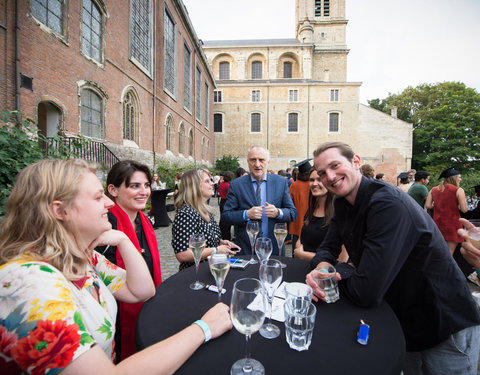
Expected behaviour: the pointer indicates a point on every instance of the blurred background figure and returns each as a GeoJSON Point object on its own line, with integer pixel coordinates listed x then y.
{"type": "Point", "coordinates": [222, 192]}
{"type": "Point", "coordinates": [380, 176]}
{"type": "Point", "coordinates": [418, 190]}
{"type": "Point", "coordinates": [403, 183]}
{"type": "Point", "coordinates": [176, 188]}
{"type": "Point", "coordinates": [240, 172]}
{"type": "Point", "coordinates": [446, 199]}
{"type": "Point", "coordinates": [299, 191]}
{"type": "Point", "coordinates": [367, 170]}
{"type": "Point", "coordinates": [411, 176]}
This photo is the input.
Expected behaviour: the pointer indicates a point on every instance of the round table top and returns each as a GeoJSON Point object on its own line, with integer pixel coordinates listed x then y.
{"type": "Point", "coordinates": [334, 349]}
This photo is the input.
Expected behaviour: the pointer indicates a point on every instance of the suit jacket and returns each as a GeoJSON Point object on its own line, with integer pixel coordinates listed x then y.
{"type": "Point", "coordinates": [241, 197]}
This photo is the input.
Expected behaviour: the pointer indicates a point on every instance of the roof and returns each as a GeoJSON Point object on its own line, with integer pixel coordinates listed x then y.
{"type": "Point", "coordinates": [251, 42]}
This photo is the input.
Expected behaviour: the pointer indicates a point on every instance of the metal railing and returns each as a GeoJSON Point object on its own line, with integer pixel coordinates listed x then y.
{"type": "Point", "coordinates": [80, 148]}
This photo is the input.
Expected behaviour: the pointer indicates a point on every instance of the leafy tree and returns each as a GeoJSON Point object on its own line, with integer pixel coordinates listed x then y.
{"type": "Point", "coordinates": [227, 163]}
{"type": "Point", "coordinates": [446, 121]}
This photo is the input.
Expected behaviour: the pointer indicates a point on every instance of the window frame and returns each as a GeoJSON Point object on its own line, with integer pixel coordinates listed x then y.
{"type": "Point", "coordinates": [216, 115]}
{"type": "Point", "coordinates": [95, 89]}
{"type": "Point", "coordinates": [135, 103]}
{"type": "Point", "coordinates": [207, 106]}
{"type": "Point", "coordinates": [252, 114]}
{"type": "Point", "coordinates": [63, 16]}
{"type": "Point", "coordinates": [133, 36]}
{"type": "Point", "coordinates": [181, 138]}
{"type": "Point", "coordinates": [198, 94]}
{"type": "Point", "coordinates": [297, 122]}
{"type": "Point", "coordinates": [295, 96]}
{"type": "Point", "coordinates": [223, 74]}
{"type": "Point", "coordinates": [217, 96]}
{"type": "Point", "coordinates": [256, 96]}
{"type": "Point", "coordinates": [169, 55]}
{"type": "Point", "coordinates": [187, 78]}
{"type": "Point", "coordinates": [334, 95]}
{"type": "Point", "coordinates": [169, 133]}
{"type": "Point", "coordinates": [337, 124]}
{"type": "Point", "coordinates": [289, 63]}
{"type": "Point", "coordinates": [101, 42]}
{"type": "Point", "coordinates": [257, 73]}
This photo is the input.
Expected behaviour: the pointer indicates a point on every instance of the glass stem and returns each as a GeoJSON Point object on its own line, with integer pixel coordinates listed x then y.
{"type": "Point", "coordinates": [197, 264]}
{"type": "Point", "coordinates": [247, 367]}
{"type": "Point", "coordinates": [270, 306]}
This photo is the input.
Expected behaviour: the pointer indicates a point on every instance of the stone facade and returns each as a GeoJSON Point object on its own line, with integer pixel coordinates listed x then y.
{"type": "Point", "coordinates": [52, 57]}
{"type": "Point", "coordinates": [290, 95]}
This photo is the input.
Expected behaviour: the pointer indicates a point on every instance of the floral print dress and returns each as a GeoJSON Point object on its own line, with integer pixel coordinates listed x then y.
{"type": "Point", "coordinates": [46, 321]}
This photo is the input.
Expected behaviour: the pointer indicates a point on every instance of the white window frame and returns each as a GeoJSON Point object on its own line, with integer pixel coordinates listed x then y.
{"type": "Point", "coordinates": [256, 96]}
{"type": "Point", "coordinates": [293, 95]}
{"type": "Point", "coordinates": [217, 96]}
{"type": "Point", "coordinates": [334, 95]}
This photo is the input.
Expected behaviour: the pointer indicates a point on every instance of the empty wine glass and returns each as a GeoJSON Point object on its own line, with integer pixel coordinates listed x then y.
{"type": "Point", "coordinates": [263, 248]}
{"type": "Point", "coordinates": [247, 311]}
{"type": "Point", "coordinates": [271, 276]}
{"type": "Point", "coordinates": [253, 227]}
{"type": "Point", "coordinates": [219, 267]}
{"type": "Point", "coordinates": [280, 231]}
{"type": "Point", "coordinates": [196, 244]}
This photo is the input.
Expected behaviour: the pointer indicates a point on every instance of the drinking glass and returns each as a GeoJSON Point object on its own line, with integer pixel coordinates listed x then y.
{"type": "Point", "coordinates": [271, 276]}
{"type": "Point", "coordinates": [263, 248]}
{"type": "Point", "coordinates": [474, 233]}
{"type": "Point", "coordinates": [326, 279]}
{"type": "Point", "coordinates": [253, 227]}
{"type": "Point", "coordinates": [280, 231]}
{"type": "Point", "coordinates": [247, 311]}
{"type": "Point", "coordinates": [196, 244]}
{"type": "Point", "coordinates": [219, 267]}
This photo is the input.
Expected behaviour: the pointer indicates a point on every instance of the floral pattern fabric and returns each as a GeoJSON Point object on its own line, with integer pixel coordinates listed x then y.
{"type": "Point", "coordinates": [46, 321]}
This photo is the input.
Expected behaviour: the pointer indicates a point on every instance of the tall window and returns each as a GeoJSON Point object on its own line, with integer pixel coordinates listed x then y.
{"type": "Point", "coordinates": [322, 8]}
{"type": "Point", "coordinates": [257, 70]}
{"type": "Point", "coordinates": [170, 72]}
{"type": "Point", "coordinates": [293, 95]}
{"type": "Point", "coordinates": [287, 69]}
{"type": "Point", "coordinates": [218, 123]}
{"type": "Point", "coordinates": [224, 70]}
{"type": "Point", "coordinates": [187, 77]}
{"type": "Point", "coordinates": [293, 122]}
{"type": "Point", "coordinates": [190, 143]}
{"type": "Point", "coordinates": [169, 134]}
{"type": "Point", "coordinates": [91, 114]}
{"type": "Point", "coordinates": [334, 95]}
{"type": "Point", "coordinates": [91, 30]}
{"type": "Point", "coordinates": [255, 123]}
{"type": "Point", "coordinates": [130, 116]}
{"type": "Point", "coordinates": [217, 96]}
{"type": "Point", "coordinates": [50, 13]}
{"type": "Point", "coordinates": [333, 122]}
{"type": "Point", "coordinates": [207, 106]}
{"type": "Point", "coordinates": [141, 33]}
{"type": "Point", "coordinates": [198, 95]}
{"type": "Point", "coordinates": [255, 95]}
{"type": "Point", "coordinates": [181, 139]}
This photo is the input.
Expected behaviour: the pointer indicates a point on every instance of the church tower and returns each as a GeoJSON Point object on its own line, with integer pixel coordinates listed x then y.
{"type": "Point", "coordinates": [322, 24]}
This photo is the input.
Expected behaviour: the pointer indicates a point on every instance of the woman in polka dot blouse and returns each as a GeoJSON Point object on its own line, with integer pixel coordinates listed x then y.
{"type": "Point", "coordinates": [194, 215]}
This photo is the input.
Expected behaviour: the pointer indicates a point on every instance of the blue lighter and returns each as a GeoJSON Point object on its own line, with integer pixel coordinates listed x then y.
{"type": "Point", "coordinates": [363, 333]}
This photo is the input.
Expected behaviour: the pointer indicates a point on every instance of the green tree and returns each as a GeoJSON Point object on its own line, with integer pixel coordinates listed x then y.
{"type": "Point", "coordinates": [446, 122]}
{"type": "Point", "coordinates": [227, 163]}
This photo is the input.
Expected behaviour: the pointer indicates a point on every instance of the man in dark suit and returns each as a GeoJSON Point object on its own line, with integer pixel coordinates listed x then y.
{"type": "Point", "coordinates": [258, 196]}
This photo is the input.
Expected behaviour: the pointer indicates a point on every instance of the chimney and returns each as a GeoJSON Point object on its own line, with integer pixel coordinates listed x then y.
{"type": "Point", "coordinates": [394, 112]}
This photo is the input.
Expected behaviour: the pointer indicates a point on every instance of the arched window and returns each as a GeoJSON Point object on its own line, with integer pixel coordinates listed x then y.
{"type": "Point", "coordinates": [169, 136]}
{"type": "Point", "coordinates": [207, 149]}
{"type": "Point", "coordinates": [256, 70]}
{"type": "Point", "coordinates": [181, 139]}
{"type": "Point", "coordinates": [91, 105]}
{"type": "Point", "coordinates": [190, 143]}
{"type": "Point", "coordinates": [131, 116]}
{"type": "Point", "coordinates": [224, 70]}
{"type": "Point", "coordinates": [203, 148]}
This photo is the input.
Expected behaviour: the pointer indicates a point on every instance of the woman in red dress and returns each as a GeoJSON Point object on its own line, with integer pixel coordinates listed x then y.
{"type": "Point", "coordinates": [446, 200]}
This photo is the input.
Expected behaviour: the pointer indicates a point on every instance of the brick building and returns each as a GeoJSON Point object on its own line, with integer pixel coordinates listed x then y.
{"type": "Point", "coordinates": [289, 95]}
{"type": "Point", "coordinates": [128, 74]}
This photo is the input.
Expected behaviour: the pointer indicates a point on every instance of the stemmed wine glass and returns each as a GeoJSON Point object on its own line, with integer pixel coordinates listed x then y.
{"type": "Point", "coordinates": [247, 317]}
{"type": "Point", "coordinates": [271, 277]}
{"type": "Point", "coordinates": [263, 248]}
{"type": "Point", "coordinates": [196, 244]}
{"type": "Point", "coordinates": [219, 267]}
{"type": "Point", "coordinates": [280, 231]}
{"type": "Point", "coordinates": [253, 227]}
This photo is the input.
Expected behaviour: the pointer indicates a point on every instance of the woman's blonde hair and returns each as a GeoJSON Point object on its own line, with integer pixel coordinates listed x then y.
{"type": "Point", "coordinates": [452, 180]}
{"type": "Point", "coordinates": [31, 227]}
{"type": "Point", "coordinates": [190, 193]}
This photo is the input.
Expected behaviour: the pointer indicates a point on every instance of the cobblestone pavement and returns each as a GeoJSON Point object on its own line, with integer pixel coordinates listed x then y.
{"type": "Point", "coordinates": [168, 262]}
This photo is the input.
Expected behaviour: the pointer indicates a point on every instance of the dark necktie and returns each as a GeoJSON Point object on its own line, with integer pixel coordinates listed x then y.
{"type": "Point", "coordinates": [257, 193]}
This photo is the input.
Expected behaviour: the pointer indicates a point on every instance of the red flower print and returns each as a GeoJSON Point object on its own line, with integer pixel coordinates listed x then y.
{"type": "Point", "coordinates": [7, 340]}
{"type": "Point", "coordinates": [50, 345]}
{"type": "Point", "coordinates": [94, 259]}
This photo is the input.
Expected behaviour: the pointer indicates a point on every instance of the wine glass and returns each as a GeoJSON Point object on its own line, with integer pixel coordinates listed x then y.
{"type": "Point", "coordinates": [280, 231]}
{"type": "Point", "coordinates": [263, 248]}
{"type": "Point", "coordinates": [247, 311]}
{"type": "Point", "coordinates": [219, 267]}
{"type": "Point", "coordinates": [253, 227]}
{"type": "Point", "coordinates": [271, 277]}
{"type": "Point", "coordinates": [196, 244]}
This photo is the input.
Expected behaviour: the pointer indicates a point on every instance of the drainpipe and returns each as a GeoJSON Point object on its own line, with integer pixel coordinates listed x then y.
{"type": "Point", "coordinates": [17, 65]}
{"type": "Point", "coordinates": [154, 67]}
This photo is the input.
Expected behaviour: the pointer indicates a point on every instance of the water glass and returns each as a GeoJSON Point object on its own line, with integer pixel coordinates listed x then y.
{"type": "Point", "coordinates": [299, 327]}
{"type": "Point", "coordinates": [326, 279]}
{"type": "Point", "coordinates": [263, 248]}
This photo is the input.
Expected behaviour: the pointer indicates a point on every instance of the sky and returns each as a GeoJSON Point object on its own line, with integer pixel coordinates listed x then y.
{"type": "Point", "coordinates": [393, 43]}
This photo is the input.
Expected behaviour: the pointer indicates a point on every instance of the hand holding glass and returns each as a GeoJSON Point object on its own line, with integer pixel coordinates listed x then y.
{"type": "Point", "coordinates": [196, 245]}
{"type": "Point", "coordinates": [247, 319]}
{"type": "Point", "coordinates": [271, 276]}
{"type": "Point", "coordinates": [263, 248]}
{"type": "Point", "coordinates": [219, 267]}
{"type": "Point", "coordinates": [326, 278]}
{"type": "Point", "coordinates": [280, 231]}
{"type": "Point", "coordinates": [253, 227]}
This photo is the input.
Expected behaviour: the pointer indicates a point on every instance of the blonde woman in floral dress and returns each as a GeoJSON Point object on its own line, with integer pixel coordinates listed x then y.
{"type": "Point", "coordinates": [57, 295]}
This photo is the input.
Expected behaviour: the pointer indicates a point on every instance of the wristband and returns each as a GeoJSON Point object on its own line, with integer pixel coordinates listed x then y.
{"type": "Point", "coordinates": [214, 250]}
{"type": "Point", "coordinates": [205, 328]}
